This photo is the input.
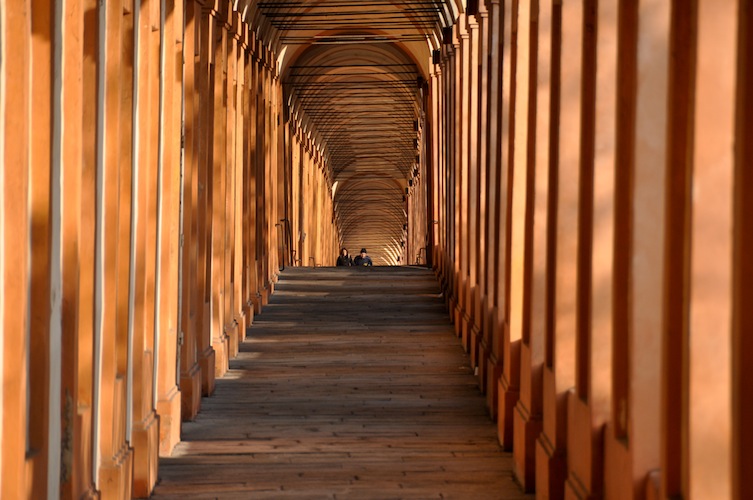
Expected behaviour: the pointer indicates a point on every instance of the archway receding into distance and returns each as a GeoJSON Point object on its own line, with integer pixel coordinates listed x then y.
{"type": "Point", "coordinates": [354, 78]}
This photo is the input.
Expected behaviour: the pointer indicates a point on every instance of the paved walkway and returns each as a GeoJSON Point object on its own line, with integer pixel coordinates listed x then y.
{"type": "Point", "coordinates": [351, 384]}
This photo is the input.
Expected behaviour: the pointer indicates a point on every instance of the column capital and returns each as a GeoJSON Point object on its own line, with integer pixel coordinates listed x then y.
{"type": "Point", "coordinates": [226, 11]}
{"type": "Point", "coordinates": [235, 25]}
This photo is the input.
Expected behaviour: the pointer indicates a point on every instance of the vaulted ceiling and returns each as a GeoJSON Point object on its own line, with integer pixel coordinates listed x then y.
{"type": "Point", "coordinates": [353, 73]}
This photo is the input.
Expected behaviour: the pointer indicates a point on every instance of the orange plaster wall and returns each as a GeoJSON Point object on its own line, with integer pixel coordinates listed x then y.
{"type": "Point", "coordinates": [710, 298]}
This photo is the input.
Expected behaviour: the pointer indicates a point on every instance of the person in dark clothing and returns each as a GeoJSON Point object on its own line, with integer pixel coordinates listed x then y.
{"type": "Point", "coordinates": [363, 259]}
{"type": "Point", "coordinates": [344, 258]}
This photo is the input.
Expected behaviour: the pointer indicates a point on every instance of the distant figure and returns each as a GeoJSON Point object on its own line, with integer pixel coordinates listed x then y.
{"type": "Point", "coordinates": [362, 259]}
{"type": "Point", "coordinates": [344, 258]}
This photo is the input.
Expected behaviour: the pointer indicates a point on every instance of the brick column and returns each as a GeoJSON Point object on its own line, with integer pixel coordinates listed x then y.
{"type": "Point", "coordinates": [15, 173]}
{"type": "Point", "coordinates": [632, 437]}
{"type": "Point", "coordinates": [168, 247]}
{"type": "Point", "coordinates": [492, 167]}
{"type": "Point", "coordinates": [527, 422]}
{"type": "Point", "coordinates": [218, 165]}
{"type": "Point", "coordinates": [742, 307]}
{"type": "Point", "coordinates": [472, 201]}
{"type": "Point", "coordinates": [589, 406]}
{"type": "Point", "coordinates": [111, 362]}
{"type": "Point", "coordinates": [145, 431]}
{"type": "Point", "coordinates": [710, 323]}
{"type": "Point", "coordinates": [207, 355]}
{"type": "Point", "coordinates": [231, 110]}
{"type": "Point", "coordinates": [190, 370]}
{"type": "Point", "coordinates": [559, 369]}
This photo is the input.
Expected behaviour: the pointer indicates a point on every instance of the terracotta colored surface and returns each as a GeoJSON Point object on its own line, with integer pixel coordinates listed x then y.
{"type": "Point", "coordinates": [576, 173]}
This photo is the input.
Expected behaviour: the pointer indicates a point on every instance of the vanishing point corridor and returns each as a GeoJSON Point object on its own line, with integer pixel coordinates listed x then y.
{"type": "Point", "coordinates": [351, 384]}
{"type": "Point", "coordinates": [549, 205]}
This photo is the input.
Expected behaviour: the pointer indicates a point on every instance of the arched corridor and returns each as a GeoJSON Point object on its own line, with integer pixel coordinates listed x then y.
{"type": "Point", "coordinates": [576, 173]}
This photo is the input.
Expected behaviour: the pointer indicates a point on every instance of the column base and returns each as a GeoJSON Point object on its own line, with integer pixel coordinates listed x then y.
{"type": "Point", "coordinates": [473, 327]}
{"type": "Point", "coordinates": [466, 309]}
{"type": "Point", "coordinates": [508, 398]}
{"type": "Point", "coordinates": [484, 349]}
{"type": "Point", "coordinates": [526, 429]}
{"type": "Point", "coordinates": [169, 410]}
{"type": "Point", "coordinates": [241, 319]}
{"type": "Point", "coordinates": [483, 365]}
{"type": "Point", "coordinates": [585, 449]}
{"type": "Point", "coordinates": [445, 290]}
{"type": "Point", "coordinates": [207, 362]}
{"type": "Point", "coordinates": [653, 485]}
{"type": "Point", "coordinates": [509, 394]}
{"type": "Point", "coordinates": [493, 372]}
{"type": "Point", "coordinates": [574, 490]}
{"type": "Point", "coordinates": [475, 341]}
{"type": "Point", "coordinates": [221, 348]}
{"type": "Point", "coordinates": [248, 317]}
{"type": "Point", "coordinates": [465, 334]}
{"type": "Point", "coordinates": [619, 477]}
{"type": "Point", "coordinates": [116, 475]}
{"type": "Point", "coordinates": [190, 391]}
{"type": "Point", "coordinates": [145, 441]}
{"type": "Point", "coordinates": [256, 301]}
{"type": "Point", "coordinates": [82, 482]}
{"type": "Point", "coordinates": [457, 320]}
{"type": "Point", "coordinates": [89, 494]}
{"type": "Point", "coordinates": [551, 469]}
{"type": "Point", "coordinates": [231, 332]}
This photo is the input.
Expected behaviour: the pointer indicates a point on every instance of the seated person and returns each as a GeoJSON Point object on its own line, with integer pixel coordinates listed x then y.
{"type": "Point", "coordinates": [362, 259]}
{"type": "Point", "coordinates": [344, 258]}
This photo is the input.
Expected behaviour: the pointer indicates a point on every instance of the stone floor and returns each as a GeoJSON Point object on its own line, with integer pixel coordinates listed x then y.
{"type": "Point", "coordinates": [351, 384]}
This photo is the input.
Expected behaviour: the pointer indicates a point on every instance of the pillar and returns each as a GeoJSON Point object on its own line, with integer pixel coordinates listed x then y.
{"type": "Point", "coordinates": [674, 359]}
{"type": "Point", "coordinates": [589, 405]}
{"type": "Point", "coordinates": [190, 376]}
{"type": "Point", "coordinates": [147, 173]}
{"type": "Point", "coordinates": [527, 418]}
{"type": "Point", "coordinates": [249, 203]}
{"type": "Point", "coordinates": [481, 142]}
{"type": "Point", "coordinates": [491, 195]}
{"type": "Point", "coordinates": [228, 152]}
{"type": "Point", "coordinates": [207, 356]}
{"type": "Point", "coordinates": [463, 122]}
{"type": "Point", "coordinates": [742, 321]}
{"type": "Point", "coordinates": [168, 247]}
{"type": "Point", "coordinates": [84, 455]}
{"type": "Point", "coordinates": [40, 448]}
{"type": "Point", "coordinates": [709, 405]}
{"type": "Point", "coordinates": [559, 368]}
{"type": "Point", "coordinates": [241, 36]}
{"type": "Point", "coordinates": [75, 471]}
{"type": "Point", "coordinates": [632, 437]}
{"type": "Point", "coordinates": [517, 282]}
{"type": "Point", "coordinates": [218, 174]}
{"type": "Point", "coordinates": [14, 146]}
{"type": "Point", "coordinates": [499, 183]}
{"type": "Point", "coordinates": [472, 201]}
